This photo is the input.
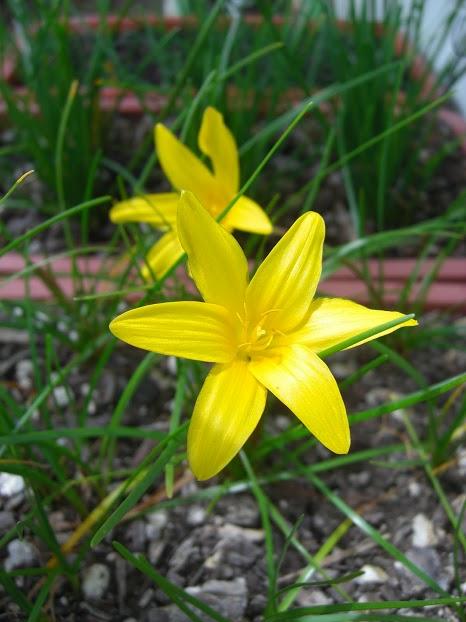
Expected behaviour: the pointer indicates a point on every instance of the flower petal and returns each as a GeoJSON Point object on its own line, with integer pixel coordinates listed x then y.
{"type": "Point", "coordinates": [192, 330]}
{"type": "Point", "coordinates": [158, 210]}
{"type": "Point", "coordinates": [162, 256]}
{"type": "Point", "coordinates": [333, 320]}
{"type": "Point", "coordinates": [216, 261]}
{"type": "Point", "coordinates": [217, 142]}
{"type": "Point", "coordinates": [227, 410]}
{"type": "Point", "coordinates": [285, 282]}
{"type": "Point", "coordinates": [247, 215]}
{"type": "Point", "coordinates": [304, 383]}
{"type": "Point", "coordinates": [184, 170]}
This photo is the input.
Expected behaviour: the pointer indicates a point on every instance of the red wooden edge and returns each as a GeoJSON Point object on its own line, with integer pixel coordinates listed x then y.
{"type": "Point", "coordinates": [448, 291]}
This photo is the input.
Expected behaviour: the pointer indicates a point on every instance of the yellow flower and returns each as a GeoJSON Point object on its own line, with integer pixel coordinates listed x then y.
{"type": "Point", "coordinates": [262, 335]}
{"type": "Point", "coordinates": [186, 172]}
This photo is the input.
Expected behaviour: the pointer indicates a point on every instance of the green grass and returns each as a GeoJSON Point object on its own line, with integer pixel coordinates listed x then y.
{"type": "Point", "coordinates": [60, 451]}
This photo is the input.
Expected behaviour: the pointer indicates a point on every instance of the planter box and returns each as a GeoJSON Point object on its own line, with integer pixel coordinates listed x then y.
{"type": "Point", "coordinates": [448, 291]}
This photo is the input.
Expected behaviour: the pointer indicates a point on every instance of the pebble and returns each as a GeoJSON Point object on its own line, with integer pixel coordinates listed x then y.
{"type": "Point", "coordinates": [20, 554]}
{"type": "Point", "coordinates": [61, 396]}
{"type": "Point", "coordinates": [423, 532]}
{"type": "Point", "coordinates": [7, 520]}
{"type": "Point", "coordinates": [428, 560]}
{"type": "Point", "coordinates": [243, 511]}
{"type": "Point", "coordinates": [156, 522]}
{"type": "Point", "coordinates": [372, 574]}
{"type": "Point", "coordinates": [414, 488]}
{"type": "Point", "coordinates": [155, 552]}
{"type": "Point", "coordinates": [461, 456]}
{"type": "Point", "coordinates": [24, 374]}
{"type": "Point", "coordinates": [229, 598]}
{"type": "Point", "coordinates": [196, 515]}
{"type": "Point", "coordinates": [11, 484]}
{"type": "Point", "coordinates": [310, 597]}
{"type": "Point", "coordinates": [228, 532]}
{"type": "Point", "coordinates": [96, 580]}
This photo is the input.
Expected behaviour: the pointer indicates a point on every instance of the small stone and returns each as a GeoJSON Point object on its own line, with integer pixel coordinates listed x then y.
{"type": "Point", "coordinates": [96, 580]}
{"type": "Point", "coordinates": [229, 598]}
{"type": "Point", "coordinates": [7, 520]}
{"type": "Point", "coordinates": [156, 522]}
{"type": "Point", "coordinates": [20, 554]}
{"type": "Point", "coordinates": [242, 510]}
{"type": "Point", "coordinates": [428, 560]}
{"type": "Point", "coordinates": [423, 532]}
{"type": "Point", "coordinates": [310, 597]}
{"type": "Point", "coordinates": [155, 552]}
{"type": "Point", "coordinates": [24, 374]}
{"type": "Point", "coordinates": [461, 457]}
{"type": "Point", "coordinates": [372, 574]}
{"type": "Point", "coordinates": [228, 532]}
{"type": "Point", "coordinates": [146, 598]}
{"type": "Point", "coordinates": [196, 515]}
{"type": "Point", "coordinates": [10, 484]}
{"type": "Point", "coordinates": [414, 488]}
{"type": "Point", "coordinates": [136, 535]}
{"type": "Point", "coordinates": [61, 396]}
{"type": "Point", "coordinates": [360, 480]}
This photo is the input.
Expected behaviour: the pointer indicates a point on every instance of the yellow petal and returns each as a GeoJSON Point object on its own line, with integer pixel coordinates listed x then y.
{"type": "Point", "coordinates": [192, 330]}
{"type": "Point", "coordinates": [285, 282]}
{"type": "Point", "coordinates": [217, 142]}
{"type": "Point", "coordinates": [304, 383]}
{"type": "Point", "coordinates": [162, 256]}
{"type": "Point", "coordinates": [184, 170]}
{"type": "Point", "coordinates": [247, 215]}
{"type": "Point", "coordinates": [158, 210]}
{"type": "Point", "coordinates": [333, 320]}
{"type": "Point", "coordinates": [227, 410]}
{"type": "Point", "coordinates": [216, 261]}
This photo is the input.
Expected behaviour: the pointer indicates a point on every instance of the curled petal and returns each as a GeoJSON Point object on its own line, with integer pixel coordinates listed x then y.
{"type": "Point", "coordinates": [162, 256]}
{"type": "Point", "coordinates": [216, 261]}
{"type": "Point", "coordinates": [227, 410]}
{"type": "Point", "coordinates": [184, 170]}
{"type": "Point", "coordinates": [247, 215]}
{"type": "Point", "coordinates": [192, 330]}
{"type": "Point", "coordinates": [285, 282]}
{"type": "Point", "coordinates": [304, 383]}
{"type": "Point", "coordinates": [159, 210]}
{"type": "Point", "coordinates": [333, 320]}
{"type": "Point", "coordinates": [217, 142]}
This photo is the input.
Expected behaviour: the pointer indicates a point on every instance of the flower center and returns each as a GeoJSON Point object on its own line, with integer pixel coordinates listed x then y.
{"type": "Point", "coordinates": [258, 337]}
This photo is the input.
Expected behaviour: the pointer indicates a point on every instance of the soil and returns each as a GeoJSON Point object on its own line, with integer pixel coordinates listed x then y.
{"type": "Point", "coordinates": [215, 549]}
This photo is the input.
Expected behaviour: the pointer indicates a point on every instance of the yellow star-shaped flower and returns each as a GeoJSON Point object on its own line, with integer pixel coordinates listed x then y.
{"type": "Point", "coordinates": [262, 335]}
{"type": "Point", "coordinates": [214, 189]}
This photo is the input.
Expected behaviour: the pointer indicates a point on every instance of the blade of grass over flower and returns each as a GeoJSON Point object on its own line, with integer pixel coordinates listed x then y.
{"type": "Point", "coordinates": [365, 335]}
{"type": "Point", "coordinates": [51, 221]}
{"type": "Point", "coordinates": [176, 594]}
